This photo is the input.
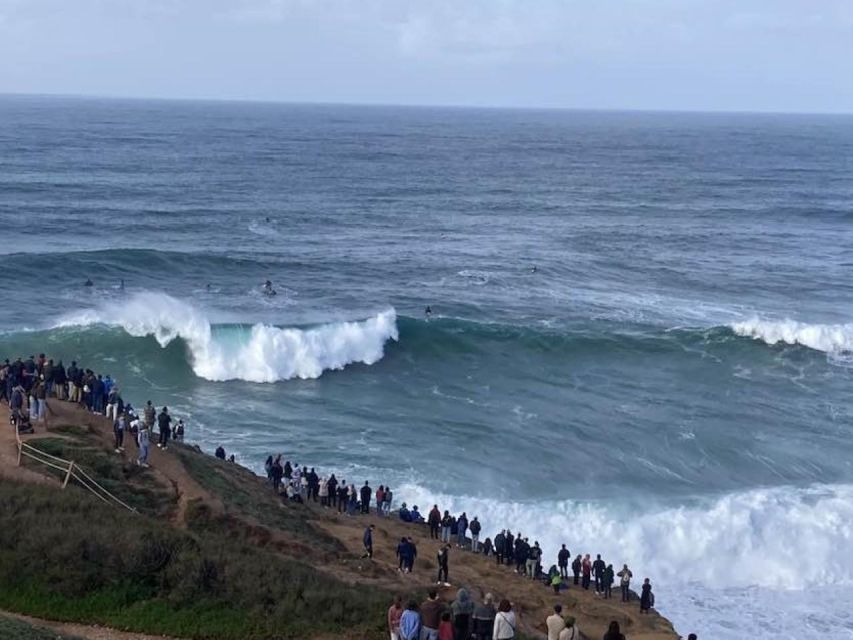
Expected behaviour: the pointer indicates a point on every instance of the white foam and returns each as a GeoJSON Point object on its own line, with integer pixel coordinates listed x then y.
{"type": "Point", "coordinates": [830, 338]}
{"type": "Point", "coordinates": [260, 353]}
{"type": "Point", "coordinates": [772, 540]}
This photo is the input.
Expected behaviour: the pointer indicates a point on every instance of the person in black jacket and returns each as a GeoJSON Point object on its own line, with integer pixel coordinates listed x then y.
{"type": "Point", "coordinates": [598, 568]}
{"type": "Point", "coordinates": [164, 423]}
{"type": "Point", "coordinates": [563, 562]}
{"type": "Point", "coordinates": [442, 558]}
{"type": "Point", "coordinates": [647, 600]}
{"type": "Point", "coordinates": [366, 492]}
{"type": "Point", "coordinates": [500, 545]}
{"type": "Point", "coordinates": [577, 565]}
{"type": "Point", "coordinates": [475, 529]}
{"type": "Point", "coordinates": [613, 632]}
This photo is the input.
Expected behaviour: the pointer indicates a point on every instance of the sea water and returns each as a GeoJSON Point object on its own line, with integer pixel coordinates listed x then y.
{"type": "Point", "coordinates": [641, 338]}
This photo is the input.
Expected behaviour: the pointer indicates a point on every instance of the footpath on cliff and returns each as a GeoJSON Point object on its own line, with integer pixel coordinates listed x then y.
{"type": "Point", "coordinates": [230, 493]}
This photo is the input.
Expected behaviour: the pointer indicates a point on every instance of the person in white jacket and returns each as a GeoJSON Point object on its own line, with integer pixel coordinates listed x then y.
{"type": "Point", "coordinates": [505, 622]}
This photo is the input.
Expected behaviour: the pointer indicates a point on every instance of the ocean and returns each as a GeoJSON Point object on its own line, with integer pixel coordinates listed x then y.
{"type": "Point", "coordinates": [641, 339]}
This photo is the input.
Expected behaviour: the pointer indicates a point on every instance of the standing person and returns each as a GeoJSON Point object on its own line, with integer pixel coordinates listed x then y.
{"type": "Point", "coordinates": [555, 623]}
{"type": "Point", "coordinates": [434, 522]}
{"type": "Point", "coordinates": [395, 612]}
{"type": "Point", "coordinates": [462, 609]}
{"type": "Point", "coordinates": [333, 491]}
{"type": "Point", "coordinates": [625, 581]}
{"type": "Point", "coordinates": [268, 468]}
{"type": "Point", "coordinates": [352, 505]}
{"type": "Point", "coordinates": [613, 632]}
{"type": "Point", "coordinates": [576, 569]}
{"type": "Point", "coordinates": [505, 622]}
{"type": "Point", "coordinates": [598, 568]}
{"type": "Point", "coordinates": [149, 413]}
{"type": "Point", "coordinates": [324, 492]}
{"type": "Point", "coordinates": [118, 430]}
{"type": "Point", "coordinates": [112, 402]}
{"type": "Point", "coordinates": [475, 529]}
{"type": "Point", "coordinates": [380, 498]}
{"type": "Point", "coordinates": [431, 611]}
{"type": "Point", "coordinates": [563, 556]}
{"type": "Point", "coordinates": [180, 430]}
{"type": "Point", "coordinates": [343, 496]}
{"type": "Point", "coordinates": [442, 557]}
{"type": "Point", "coordinates": [402, 554]}
{"type": "Point", "coordinates": [586, 570]}
{"type": "Point", "coordinates": [410, 623]}
{"type": "Point", "coordinates": [461, 528]}
{"type": "Point", "coordinates": [570, 632]}
{"type": "Point", "coordinates": [144, 442]}
{"type": "Point", "coordinates": [40, 393]}
{"type": "Point", "coordinates": [446, 522]}
{"type": "Point", "coordinates": [509, 547]}
{"type": "Point", "coordinates": [647, 598]}
{"type": "Point", "coordinates": [73, 389]}
{"type": "Point", "coordinates": [135, 427]}
{"type": "Point", "coordinates": [164, 421]}
{"type": "Point", "coordinates": [366, 492]}
{"type": "Point", "coordinates": [484, 618]}
{"type": "Point", "coordinates": [277, 473]}
{"type": "Point", "coordinates": [608, 579]}
{"type": "Point", "coordinates": [445, 627]}
{"type": "Point", "coordinates": [367, 539]}
{"type": "Point", "coordinates": [386, 501]}
{"type": "Point", "coordinates": [411, 554]}
{"type": "Point", "coordinates": [500, 544]}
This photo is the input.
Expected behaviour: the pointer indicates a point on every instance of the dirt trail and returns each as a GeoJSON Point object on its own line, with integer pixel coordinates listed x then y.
{"type": "Point", "coordinates": [84, 631]}
{"type": "Point", "coordinates": [165, 467]}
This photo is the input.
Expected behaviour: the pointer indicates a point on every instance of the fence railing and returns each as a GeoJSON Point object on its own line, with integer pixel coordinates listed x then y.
{"type": "Point", "coordinates": [69, 469]}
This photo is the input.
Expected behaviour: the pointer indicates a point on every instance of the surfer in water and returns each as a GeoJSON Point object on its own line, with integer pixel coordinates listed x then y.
{"type": "Point", "coordinates": [268, 290]}
{"type": "Point", "coordinates": [533, 269]}
{"type": "Point", "coordinates": [88, 283]}
{"type": "Point", "coordinates": [428, 312]}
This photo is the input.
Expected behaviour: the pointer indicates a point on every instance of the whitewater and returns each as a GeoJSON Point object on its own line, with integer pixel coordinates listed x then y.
{"type": "Point", "coordinates": [258, 353]}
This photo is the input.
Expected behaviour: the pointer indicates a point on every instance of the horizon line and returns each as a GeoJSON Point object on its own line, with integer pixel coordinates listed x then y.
{"type": "Point", "coordinates": [403, 105]}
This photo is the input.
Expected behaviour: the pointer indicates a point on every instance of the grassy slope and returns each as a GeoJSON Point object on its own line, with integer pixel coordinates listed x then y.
{"type": "Point", "coordinates": [65, 556]}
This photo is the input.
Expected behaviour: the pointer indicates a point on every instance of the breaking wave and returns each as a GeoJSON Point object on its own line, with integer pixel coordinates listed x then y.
{"type": "Point", "coordinates": [256, 353]}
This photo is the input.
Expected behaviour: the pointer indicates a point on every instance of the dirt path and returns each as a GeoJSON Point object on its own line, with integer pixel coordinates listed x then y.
{"type": "Point", "coordinates": [84, 631]}
{"type": "Point", "coordinates": [166, 468]}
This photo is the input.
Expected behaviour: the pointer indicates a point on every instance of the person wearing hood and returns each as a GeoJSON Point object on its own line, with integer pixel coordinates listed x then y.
{"type": "Point", "coordinates": [570, 632]}
{"type": "Point", "coordinates": [60, 379]}
{"type": "Point", "coordinates": [484, 618]}
{"type": "Point", "coordinates": [613, 632]}
{"type": "Point", "coordinates": [647, 599]}
{"type": "Point", "coordinates": [576, 569]}
{"type": "Point", "coordinates": [462, 610]}
{"type": "Point", "coordinates": [461, 529]}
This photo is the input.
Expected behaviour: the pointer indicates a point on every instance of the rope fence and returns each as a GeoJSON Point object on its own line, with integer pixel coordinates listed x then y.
{"type": "Point", "coordinates": [69, 469]}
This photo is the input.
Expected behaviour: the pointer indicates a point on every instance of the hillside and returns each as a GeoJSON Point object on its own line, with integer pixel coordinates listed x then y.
{"type": "Point", "coordinates": [211, 552]}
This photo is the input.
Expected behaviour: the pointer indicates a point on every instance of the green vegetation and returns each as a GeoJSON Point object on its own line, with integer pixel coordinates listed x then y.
{"type": "Point", "coordinates": [68, 557]}
{"type": "Point", "coordinates": [244, 493]}
{"type": "Point", "coordinates": [11, 629]}
{"type": "Point", "coordinates": [117, 474]}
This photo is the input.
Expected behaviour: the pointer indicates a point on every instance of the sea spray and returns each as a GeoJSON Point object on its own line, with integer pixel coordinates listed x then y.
{"type": "Point", "coordinates": [256, 353]}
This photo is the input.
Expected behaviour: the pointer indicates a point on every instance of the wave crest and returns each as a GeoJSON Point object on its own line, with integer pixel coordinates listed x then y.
{"type": "Point", "coordinates": [830, 338]}
{"type": "Point", "coordinates": [257, 353]}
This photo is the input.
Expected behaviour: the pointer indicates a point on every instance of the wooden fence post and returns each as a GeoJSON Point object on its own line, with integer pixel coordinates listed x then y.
{"type": "Point", "coordinates": [68, 475]}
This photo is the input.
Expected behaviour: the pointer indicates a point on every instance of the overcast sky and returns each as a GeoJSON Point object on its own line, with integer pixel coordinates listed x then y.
{"type": "Point", "coordinates": [755, 55]}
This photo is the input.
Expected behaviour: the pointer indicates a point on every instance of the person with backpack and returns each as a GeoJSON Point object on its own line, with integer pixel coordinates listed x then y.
{"type": "Point", "coordinates": [607, 582]}
{"type": "Point", "coordinates": [625, 576]}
